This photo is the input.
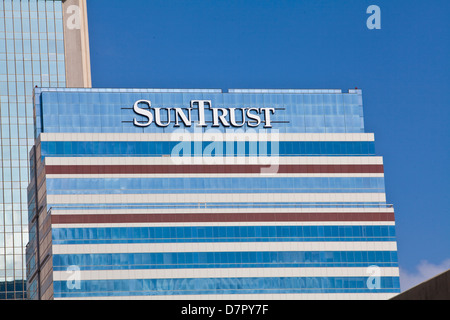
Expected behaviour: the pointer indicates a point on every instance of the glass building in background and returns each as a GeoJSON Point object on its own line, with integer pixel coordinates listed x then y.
{"type": "Point", "coordinates": [204, 194]}
{"type": "Point", "coordinates": [34, 49]}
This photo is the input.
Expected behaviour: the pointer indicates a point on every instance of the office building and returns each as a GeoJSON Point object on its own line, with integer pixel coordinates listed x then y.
{"type": "Point", "coordinates": [204, 194]}
{"type": "Point", "coordinates": [42, 43]}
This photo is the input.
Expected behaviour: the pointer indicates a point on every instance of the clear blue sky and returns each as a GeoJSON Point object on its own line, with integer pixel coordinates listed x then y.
{"type": "Point", "coordinates": [403, 69]}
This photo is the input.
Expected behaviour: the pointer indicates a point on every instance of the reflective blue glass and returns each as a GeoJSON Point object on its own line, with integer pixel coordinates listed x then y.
{"type": "Point", "coordinates": [253, 285]}
{"type": "Point", "coordinates": [19, 30]}
{"type": "Point", "coordinates": [220, 234]}
{"type": "Point", "coordinates": [216, 185]}
{"type": "Point", "coordinates": [292, 112]}
{"type": "Point", "coordinates": [151, 148]}
{"type": "Point", "coordinates": [168, 260]}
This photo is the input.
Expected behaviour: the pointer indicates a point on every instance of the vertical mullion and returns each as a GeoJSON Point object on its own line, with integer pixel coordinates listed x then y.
{"type": "Point", "coordinates": [13, 198]}
{"type": "Point", "coordinates": [3, 211]}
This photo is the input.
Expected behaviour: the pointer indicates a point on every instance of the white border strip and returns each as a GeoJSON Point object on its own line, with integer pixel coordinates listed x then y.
{"type": "Point", "coordinates": [224, 175]}
{"type": "Point", "coordinates": [215, 197]}
{"type": "Point", "coordinates": [299, 160]}
{"type": "Point", "coordinates": [221, 224]}
{"type": "Point", "coordinates": [222, 210]}
{"type": "Point", "coordinates": [207, 136]}
{"type": "Point", "coordinates": [284, 296]}
{"type": "Point", "coordinates": [225, 247]}
{"type": "Point", "coordinates": [222, 273]}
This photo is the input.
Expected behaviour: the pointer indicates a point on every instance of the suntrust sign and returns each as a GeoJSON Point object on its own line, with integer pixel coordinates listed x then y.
{"type": "Point", "coordinates": [226, 117]}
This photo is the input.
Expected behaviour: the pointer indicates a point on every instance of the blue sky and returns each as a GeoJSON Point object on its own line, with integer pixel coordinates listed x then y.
{"type": "Point", "coordinates": [403, 70]}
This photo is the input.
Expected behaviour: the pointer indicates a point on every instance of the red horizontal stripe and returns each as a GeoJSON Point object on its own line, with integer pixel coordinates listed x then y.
{"type": "Point", "coordinates": [215, 169]}
{"type": "Point", "coordinates": [222, 217]}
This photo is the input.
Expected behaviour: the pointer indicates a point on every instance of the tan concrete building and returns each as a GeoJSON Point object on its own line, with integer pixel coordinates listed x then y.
{"type": "Point", "coordinates": [76, 44]}
{"type": "Point", "coordinates": [436, 288]}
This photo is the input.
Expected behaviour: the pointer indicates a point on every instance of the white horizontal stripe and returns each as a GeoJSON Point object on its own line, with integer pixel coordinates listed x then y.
{"type": "Point", "coordinates": [223, 175]}
{"type": "Point", "coordinates": [330, 209]}
{"type": "Point", "coordinates": [255, 136]}
{"type": "Point", "coordinates": [289, 91]}
{"type": "Point", "coordinates": [300, 160]}
{"type": "Point", "coordinates": [223, 273]}
{"type": "Point", "coordinates": [215, 197]}
{"type": "Point", "coordinates": [225, 247]}
{"type": "Point", "coordinates": [163, 90]}
{"type": "Point", "coordinates": [287, 296]}
{"type": "Point", "coordinates": [222, 224]}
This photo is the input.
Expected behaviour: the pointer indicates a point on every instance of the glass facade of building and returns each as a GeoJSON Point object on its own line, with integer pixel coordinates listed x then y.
{"type": "Point", "coordinates": [271, 194]}
{"type": "Point", "coordinates": [295, 113]}
{"type": "Point", "coordinates": [31, 54]}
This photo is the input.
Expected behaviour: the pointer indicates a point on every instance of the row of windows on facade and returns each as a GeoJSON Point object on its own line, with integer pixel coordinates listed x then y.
{"type": "Point", "coordinates": [273, 232]}
{"type": "Point", "coordinates": [18, 112]}
{"type": "Point", "coordinates": [9, 253]}
{"type": "Point", "coordinates": [13, 174]}
{"type": "Point", "coordinates": [18, 129]}
{"type": "Point", "coordinates": [17, 290]}
{"type": "Point", "coordinates": [18, 219]}
{"type": "Point", "coordinates": [130, 148]}
{"type": "Point", "coordinates": [16, 139]}
{"type": "Point", "coordinates": [11, 210]}
{"type": "Point", "coordinates": [26, 91]}
{"type": "Point", "coordinates": [8, 208]}
{"type": "Point", "coordinates": [15, 152]}
{"type": "Point", "coordinates": [130, 261]}
{"type": "Point", "coordinates": [283, 101]}
{"type": "Point", "coordinates": [11, 190]}
{"type": "Point", "coordinates": [32, 63]}
{"type": "Point", "coordinates": [23, 58]}
{"type": "Point", "coordinates": [16, 224]}
{"type": "Point", "coordinates": [16, 196]}
{"type": "Point", "coordinates": [15, 273]}
{"type": "Point", "coordinates": [220, 284]}
{"type": "Point", "coordinates": [12, 164]}
{"type": "Point", "coordinates": [5, 99]}
{"type": "Point", "coordinates": [41, 5]}
{"type": "Point", "coordinates": [10, 269]}
{"type": "Point", "coordinates": [16, 228]}
{"type": "Point", "coordinates": [31, 47]}
{"type": "Point", "coordinates": [22, 87]}
{"type": "Point", "coordinates": [19, 28]}
{"type": "Point", "coordinates": [28, 68]}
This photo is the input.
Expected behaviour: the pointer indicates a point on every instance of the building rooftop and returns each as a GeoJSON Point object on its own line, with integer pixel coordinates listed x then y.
{"type": "Point", "coordinates": [198, 90]}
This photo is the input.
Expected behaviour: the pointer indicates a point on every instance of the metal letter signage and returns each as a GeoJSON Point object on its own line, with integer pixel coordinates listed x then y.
{"type": "Point", "coordinates": [226, 117]}
{"type": "Point", "coordinates": [143, 112]}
